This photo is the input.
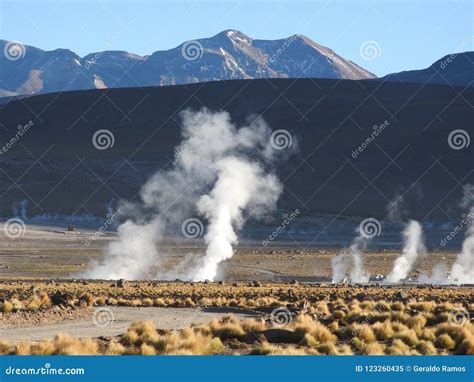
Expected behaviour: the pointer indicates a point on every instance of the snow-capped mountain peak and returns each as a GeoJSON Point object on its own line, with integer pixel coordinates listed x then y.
{"type": "Point", "coordinates": [228, 55]}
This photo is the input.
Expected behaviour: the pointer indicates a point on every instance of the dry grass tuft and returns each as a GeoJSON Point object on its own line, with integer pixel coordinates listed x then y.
{"type": "Point", "coordinates": [398, 347]}
{"type": "Point", "coordinates": [444, 341]}
{"type": "Point", "coordinates": [227, 328]}
{"type": "Point", "coordinates": [338, 320]}
{"type": "Point", "coordinates": [306, 325]}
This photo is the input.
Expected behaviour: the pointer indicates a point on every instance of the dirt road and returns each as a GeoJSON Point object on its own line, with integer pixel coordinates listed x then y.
{"type": "Point", "coordinates": [112, 321]}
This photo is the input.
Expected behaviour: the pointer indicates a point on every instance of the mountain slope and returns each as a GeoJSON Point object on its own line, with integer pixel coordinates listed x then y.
{"type": "Point", "coordinates": [337, 168]}
{"type": "Point", "coordinates": [39, 71]}
{"type": "Point", "coordinates": [453, 69]}
{"type": "Point", "coordinates": [227, 55]}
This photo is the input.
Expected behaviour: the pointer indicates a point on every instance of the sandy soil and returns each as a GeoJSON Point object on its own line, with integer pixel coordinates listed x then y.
{"type": "Point", "coordinates": [116, 321]}
{"type": "Point", "coordinates": [52, 252]}
{"type": "Point", "coordinates": [42, 317]}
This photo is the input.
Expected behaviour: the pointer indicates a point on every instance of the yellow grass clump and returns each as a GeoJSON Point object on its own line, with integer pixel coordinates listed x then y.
{"type": "Point", "coordinates": [327, 319]}
{"type": "Point", "coordinates": [304, 324]}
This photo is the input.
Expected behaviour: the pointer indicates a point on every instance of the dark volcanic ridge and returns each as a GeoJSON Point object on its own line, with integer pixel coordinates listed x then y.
{"type": "Point", "coordinates": [340, 166]}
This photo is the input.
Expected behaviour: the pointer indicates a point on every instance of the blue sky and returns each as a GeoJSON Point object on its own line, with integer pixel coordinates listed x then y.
{"type": "Point", "coordinates": [411, 34]}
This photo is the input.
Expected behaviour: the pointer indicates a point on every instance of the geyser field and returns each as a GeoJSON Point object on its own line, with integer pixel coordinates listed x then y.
{"type": "Point", "coordinates": [204, 262]}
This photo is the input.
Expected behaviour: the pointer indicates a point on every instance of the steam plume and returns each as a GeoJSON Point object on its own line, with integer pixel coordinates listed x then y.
{"type": "Point", "coordinates": [240, 185]}
{"type": "Point", "coordinates": [396, 208]}
{"type": "Point", "coordinates": [414, 247]}
{"type": "Point", "coordinates": [462, 271]}
{"type": "Point", "coordinates": [217, 173]}
{"type": "Point", "coordinates": [132, 255]}
{"type": "Point", "coordinates": [350, 262]}
{"type": "Point", "coordinates": [340, 266]}
{"type": "Point", "coordinates": [19, 209]}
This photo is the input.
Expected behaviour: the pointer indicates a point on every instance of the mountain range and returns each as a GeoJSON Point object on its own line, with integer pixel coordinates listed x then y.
{"type": "Point", "coordinates": [453, 69]}
{"type": "Point", "coordinates": [229, 55]}
{"type": "Point", "coordinates": [225, 56]}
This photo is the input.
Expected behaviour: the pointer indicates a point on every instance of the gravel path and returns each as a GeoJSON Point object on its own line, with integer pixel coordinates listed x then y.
{"type": "Point", "coordinates": [115, 320]}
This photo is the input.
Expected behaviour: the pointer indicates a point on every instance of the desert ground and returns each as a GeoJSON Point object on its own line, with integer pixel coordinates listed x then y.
{"type": "Point", "coordinates": [150, 317]}
{"type": "Point", "coordinates": [53, 252]}
{"type": "Point", "coordinates": [275, 300]}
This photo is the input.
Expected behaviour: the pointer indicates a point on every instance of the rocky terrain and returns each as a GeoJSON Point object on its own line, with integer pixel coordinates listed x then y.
{"type": "Point", "coordinates": [228, 55]}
